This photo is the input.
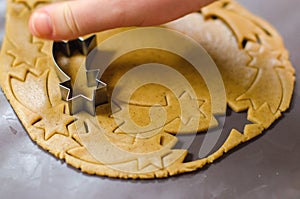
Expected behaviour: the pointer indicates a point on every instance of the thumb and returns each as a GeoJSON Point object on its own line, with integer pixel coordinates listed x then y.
{"type": "Point", "coordinates": [68, 20]}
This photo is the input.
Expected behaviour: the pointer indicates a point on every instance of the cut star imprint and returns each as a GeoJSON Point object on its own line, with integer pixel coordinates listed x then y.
{"type": "Point", "coordinates": [86, 91]}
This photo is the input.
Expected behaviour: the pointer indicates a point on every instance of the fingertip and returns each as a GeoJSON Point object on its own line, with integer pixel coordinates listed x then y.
{"type": "Point", "coordinates": [40, 24]}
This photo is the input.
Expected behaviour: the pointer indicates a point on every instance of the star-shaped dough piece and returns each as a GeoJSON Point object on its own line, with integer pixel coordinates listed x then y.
{"type": "Point", "coordinates": [55, 121]}
{"type": "Point", "coordinates": [144, 162]}
{"type": "Point", "coordinates": [267, 85]}
{"type": "Point", "coordinates": [28, 57]}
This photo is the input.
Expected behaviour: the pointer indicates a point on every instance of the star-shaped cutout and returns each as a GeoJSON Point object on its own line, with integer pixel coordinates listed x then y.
{"type": "Point", "coordinates": [55, 121]}
{"type": "Point", "coordinates": [28, 57]}
{"type": "Point", "coordinates": [143, 162]}
{"type": "Point", "coordinates": [84, 92]}
{"type": "Point", "coordinates": [265, 59]}
{"type": "Point", "coordinates": [156, 158]}
{"type": "Point", "coordinates": [191, 108]}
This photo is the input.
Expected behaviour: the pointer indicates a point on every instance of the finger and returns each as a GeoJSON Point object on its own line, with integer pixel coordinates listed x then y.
{"type": "Point", "coordinates": [68, 20]}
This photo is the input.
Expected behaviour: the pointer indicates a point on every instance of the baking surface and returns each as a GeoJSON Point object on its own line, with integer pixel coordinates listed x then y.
{"type": "Point", "coordinates": [268, 167]}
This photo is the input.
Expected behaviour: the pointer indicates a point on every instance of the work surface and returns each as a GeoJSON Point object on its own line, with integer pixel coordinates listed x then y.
{"type": "Point", "coordinates": [268, 167]}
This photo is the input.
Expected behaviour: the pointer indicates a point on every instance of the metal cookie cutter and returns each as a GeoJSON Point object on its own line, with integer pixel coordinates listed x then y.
{"type": "Point", "coordinates": [90, 92]}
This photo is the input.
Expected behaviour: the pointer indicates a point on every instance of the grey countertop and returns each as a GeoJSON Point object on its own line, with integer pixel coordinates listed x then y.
{"type": "Point", "coordinates": [268, 167]}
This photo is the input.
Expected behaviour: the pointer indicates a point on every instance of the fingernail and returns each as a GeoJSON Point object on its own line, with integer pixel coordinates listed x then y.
{"type": "Point", "coordinates": [41, 24]}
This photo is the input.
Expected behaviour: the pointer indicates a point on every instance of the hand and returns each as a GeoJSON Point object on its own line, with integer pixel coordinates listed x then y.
{"type": "Point", "coordinates": [71, 19]}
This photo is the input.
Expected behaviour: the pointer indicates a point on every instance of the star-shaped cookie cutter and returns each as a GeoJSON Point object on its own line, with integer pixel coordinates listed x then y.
{"type": "Point", "coordinates": [79, 102]}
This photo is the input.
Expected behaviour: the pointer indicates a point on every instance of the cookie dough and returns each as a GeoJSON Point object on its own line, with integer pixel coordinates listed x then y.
{"type": "Point", "coordinates": [250, 55]}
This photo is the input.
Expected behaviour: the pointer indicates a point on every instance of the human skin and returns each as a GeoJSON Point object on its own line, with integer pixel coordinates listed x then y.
{"type": "Point", "coordinates": [71, 19]}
